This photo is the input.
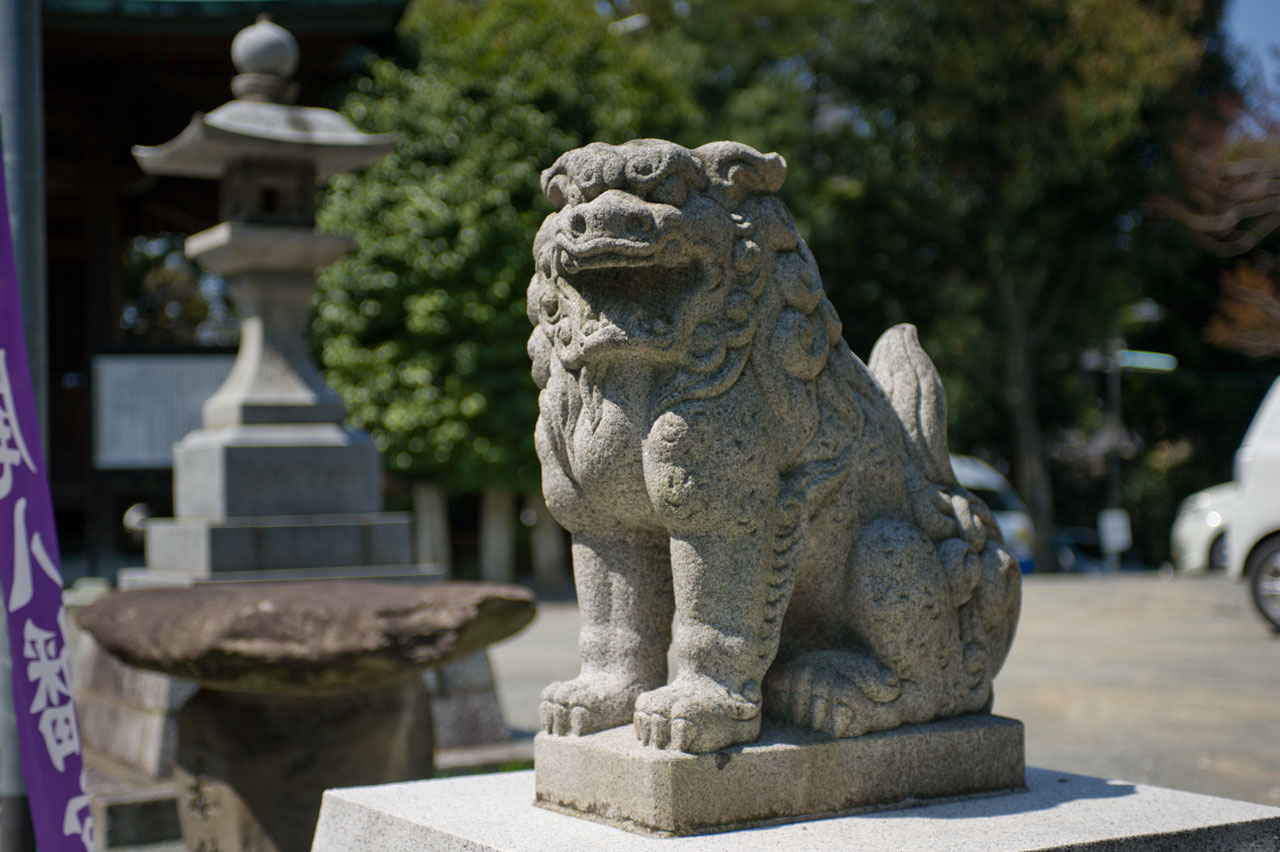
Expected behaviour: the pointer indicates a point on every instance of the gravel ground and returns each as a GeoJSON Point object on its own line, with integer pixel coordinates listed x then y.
{"type": "Point", "coordinates": [1174, 682]}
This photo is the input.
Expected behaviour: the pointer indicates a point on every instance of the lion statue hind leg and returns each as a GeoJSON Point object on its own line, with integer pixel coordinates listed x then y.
{"type": "Point", "coordinates": [905, 659]}
{"type": "Point", "coordinates": [840, 693]}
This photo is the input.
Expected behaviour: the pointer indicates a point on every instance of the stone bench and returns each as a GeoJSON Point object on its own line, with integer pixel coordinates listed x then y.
{"type": "Point", "coordinates": [303, 687]}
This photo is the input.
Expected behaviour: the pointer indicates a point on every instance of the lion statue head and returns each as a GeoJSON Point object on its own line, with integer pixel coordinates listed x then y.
{"type": "Point", "coordinates": [678, 257]}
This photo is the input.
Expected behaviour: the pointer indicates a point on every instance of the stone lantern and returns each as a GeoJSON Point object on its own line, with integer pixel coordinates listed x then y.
{"type": "Point", "coordinates": [272, 482]}
{"type": "Point", "coordinates": [272, 487]}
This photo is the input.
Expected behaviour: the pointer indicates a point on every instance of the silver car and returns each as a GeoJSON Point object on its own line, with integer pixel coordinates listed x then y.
{"type": "Point", "coordinates": [1198, 539]}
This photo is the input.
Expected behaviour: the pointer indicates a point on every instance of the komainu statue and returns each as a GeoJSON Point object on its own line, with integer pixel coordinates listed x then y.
{"type": "Point", "coordinates": [735, 479]}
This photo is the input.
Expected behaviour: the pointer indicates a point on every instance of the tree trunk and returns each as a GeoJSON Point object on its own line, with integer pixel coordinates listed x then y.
{"type": "Point", "coordinates": [430, 524]}
{"type": "Point", "coordinates": [1031, 473]}
{"type": "Point", "coordinates": [498, 536]}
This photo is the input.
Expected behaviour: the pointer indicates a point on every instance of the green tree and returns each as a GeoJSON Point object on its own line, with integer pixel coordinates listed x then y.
{"type": "Point", "coordinates": [980, 169]}
{"type": "Point", "coordinates": [422, 329]}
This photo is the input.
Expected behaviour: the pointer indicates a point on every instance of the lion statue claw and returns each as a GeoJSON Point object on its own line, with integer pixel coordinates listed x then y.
{"type": "Point", "coordinates": [737, 483]}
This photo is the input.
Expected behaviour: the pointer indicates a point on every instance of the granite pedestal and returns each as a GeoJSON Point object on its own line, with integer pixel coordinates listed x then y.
{"type": "Point", "coordinates": [788, 774]}
{"type": "Point", "coordinates": [1059, 811]}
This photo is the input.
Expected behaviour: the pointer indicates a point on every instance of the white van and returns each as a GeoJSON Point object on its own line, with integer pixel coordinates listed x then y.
{"type": "Point", "coordinates": [1253, 539]}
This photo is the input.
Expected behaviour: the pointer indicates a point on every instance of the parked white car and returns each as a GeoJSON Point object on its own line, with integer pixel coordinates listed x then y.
{"type": "Point", "coordinates": [994, 490]}
{"type": "Point", "coordinates": [1253, 544]}
{"type": "Point", "coordinates": [1198, 539]}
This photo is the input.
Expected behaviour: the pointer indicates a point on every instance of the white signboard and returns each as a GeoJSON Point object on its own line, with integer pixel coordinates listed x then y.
{"type": "Point", "coordinates": [143, 404]}
{"type": "Point", "coordinates": [1114, 534]}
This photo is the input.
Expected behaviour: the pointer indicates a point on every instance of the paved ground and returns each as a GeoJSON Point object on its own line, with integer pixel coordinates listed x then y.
{"type": "Point", "coordinates": [1174, 682]}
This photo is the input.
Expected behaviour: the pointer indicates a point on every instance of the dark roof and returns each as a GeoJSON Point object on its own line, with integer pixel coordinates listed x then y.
{"type": "Point", "coordinates": [352, 17]}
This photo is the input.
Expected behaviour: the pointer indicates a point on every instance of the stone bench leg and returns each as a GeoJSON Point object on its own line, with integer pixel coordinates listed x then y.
{"type": "Point", "coordinates": [252, 768]}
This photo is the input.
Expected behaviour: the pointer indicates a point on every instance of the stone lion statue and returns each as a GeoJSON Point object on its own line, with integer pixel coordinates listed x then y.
{"type": "Point", "coordinates": [736, 481]}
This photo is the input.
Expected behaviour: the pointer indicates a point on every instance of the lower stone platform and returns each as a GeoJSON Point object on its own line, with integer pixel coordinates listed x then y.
{"type": "Point", "coordinates": [495, 813]}
{"type": "Point", "coordinates": [788, 774]}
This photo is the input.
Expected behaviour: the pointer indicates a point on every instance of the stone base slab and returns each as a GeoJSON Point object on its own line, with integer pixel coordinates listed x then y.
{"type": "Point", "coordinates": [129, 811]}
{"type": "Point", "coordinates": [1059, 811]}
{"type": "Point", "coordinates": [266, 469]}
{"type": "Point", "coordinates": [788, 774]}
{"type": "Point", "coordinates": [289, 542]}
{"type": "Point", "coordinates": [147, 578]}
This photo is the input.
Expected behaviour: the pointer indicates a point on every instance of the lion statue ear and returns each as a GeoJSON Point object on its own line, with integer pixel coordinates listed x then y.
{"type": "Point", "coordinates": [738, 171]}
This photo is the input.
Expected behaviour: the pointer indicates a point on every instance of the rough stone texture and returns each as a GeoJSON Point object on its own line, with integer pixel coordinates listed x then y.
{"type": "Point", "coordinates": [786, 775]}
{"type": "Point", "coordinates": [721, 456]}
{"type": "Point", "coordinates": [1072, 813]}
{"type": "Point", "coordinates": [205, 546]}
{"type": "Point", "coordinates": [303, 637]}
{"type": "Point", "coordinates": [252, 769]}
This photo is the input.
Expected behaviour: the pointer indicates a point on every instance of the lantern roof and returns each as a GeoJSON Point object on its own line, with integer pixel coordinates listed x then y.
{"type": "Point", "coordinates": [262, 123]}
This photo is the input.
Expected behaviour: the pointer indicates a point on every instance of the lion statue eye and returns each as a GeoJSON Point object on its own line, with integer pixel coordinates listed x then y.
{"type": "Point", "coordinates": [557, 191]}
{"type": "Point", "coordinates": [671, 191]}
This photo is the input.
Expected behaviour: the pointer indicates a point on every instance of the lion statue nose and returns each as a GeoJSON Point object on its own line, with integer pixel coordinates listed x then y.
{"type": "Point", "coordinates": [613, 214]}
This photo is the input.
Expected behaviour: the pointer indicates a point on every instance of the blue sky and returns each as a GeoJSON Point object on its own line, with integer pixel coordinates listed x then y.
{"type": "Point", "coordinates": [1255, 25]}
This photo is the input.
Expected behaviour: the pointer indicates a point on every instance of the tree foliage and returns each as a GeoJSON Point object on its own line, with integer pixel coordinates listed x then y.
{"type": "Point", "coordinates": [168, 301]}
{"type": "Point", "coordinates": [979, 169]}
{"type": "Point", "coordinates": [422, 330]}
{"type": "Point", "coordinates": [1230, 203]}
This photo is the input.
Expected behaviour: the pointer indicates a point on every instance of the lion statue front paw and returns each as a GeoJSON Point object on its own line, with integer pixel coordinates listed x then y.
{"type": "Point", "coordinates": [696, 715]}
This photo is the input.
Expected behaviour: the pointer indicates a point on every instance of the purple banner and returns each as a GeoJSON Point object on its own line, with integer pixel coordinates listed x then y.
{"type": "Point", "coordinates": [48, 730]}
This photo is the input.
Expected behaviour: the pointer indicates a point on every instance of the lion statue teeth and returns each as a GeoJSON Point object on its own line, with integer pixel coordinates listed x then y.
{"type": "Point", "coordinates": [737, 482]}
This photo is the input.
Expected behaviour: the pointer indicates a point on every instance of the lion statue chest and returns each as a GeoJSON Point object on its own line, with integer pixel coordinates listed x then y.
{"type": "Point", "coordinates": [604, 444]}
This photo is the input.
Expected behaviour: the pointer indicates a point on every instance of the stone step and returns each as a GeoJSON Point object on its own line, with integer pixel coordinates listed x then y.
{"type": "Point", "coordinates": [1059, 811]}
{"type": "Point", "coordinates": [134, 813]}
{"type": "Point", "coordinates": [130, 810]}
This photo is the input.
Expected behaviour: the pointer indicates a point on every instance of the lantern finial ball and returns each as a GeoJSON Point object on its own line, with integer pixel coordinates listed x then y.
{"type": "Point", "coordinates": [265, 48]}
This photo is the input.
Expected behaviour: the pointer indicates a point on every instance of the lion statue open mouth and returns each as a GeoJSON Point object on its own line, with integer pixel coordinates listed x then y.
{"type": "Point", "coordinates": [736, 481]}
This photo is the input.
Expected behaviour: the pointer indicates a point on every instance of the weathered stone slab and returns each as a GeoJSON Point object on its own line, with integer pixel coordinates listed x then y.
{"type": "Point", "coordinates": [1071, 813]}
{"type": "Point", "coordinates": [272, 638]}
{"type": "Point", "coordinates": [788, 774]}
